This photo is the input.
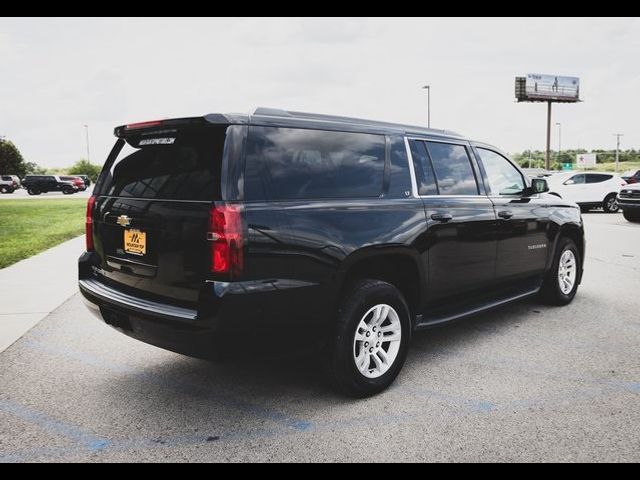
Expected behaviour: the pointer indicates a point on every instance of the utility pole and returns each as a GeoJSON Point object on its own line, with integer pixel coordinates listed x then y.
{"type": "Point", "coordinates": [618, 135]}
{"type": "Point", "coordinates": [86, 127]}
{"type": "Point", "coordinates": [428, 88]}
{"type": "Point", "coordinates": [548, 162]}
{"type": "Point", "coordinates": [559, 125]}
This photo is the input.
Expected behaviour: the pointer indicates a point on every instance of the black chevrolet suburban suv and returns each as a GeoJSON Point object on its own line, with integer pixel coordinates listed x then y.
{"type": "Point", "coordinates": [283, 230]}
{"type": "Point", "coordinates": [37, 184]}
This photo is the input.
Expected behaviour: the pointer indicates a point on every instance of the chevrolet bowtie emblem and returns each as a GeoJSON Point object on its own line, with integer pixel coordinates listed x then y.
{"type": "Point", "coordinates": [123, 220]}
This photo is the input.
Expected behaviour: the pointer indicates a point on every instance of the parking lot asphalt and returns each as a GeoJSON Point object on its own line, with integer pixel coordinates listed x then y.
{"type": "Point", "coordinates": [524, 383]}
{"type": "Point", "coordinates": [22, 194]}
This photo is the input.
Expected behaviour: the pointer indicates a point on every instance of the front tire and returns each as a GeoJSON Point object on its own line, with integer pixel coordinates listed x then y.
{"type": "Point", "coordinates": [4, 189]}
{"type": "Point", "coordinates": [561, 283]}
{"type": "Point", "coordinates": [33, 191]}
{"type": "Point", "coordinates": [610, 204]}
{"type": "Point", "coordinates": [371, 339]}
{"type": "Point", "coordinates": [631, 216]}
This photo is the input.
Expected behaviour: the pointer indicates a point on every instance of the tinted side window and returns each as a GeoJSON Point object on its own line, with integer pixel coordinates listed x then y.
{"type": "Point", "coordinates": [576, 180]}
{"type": "Point", "coordinates": [425, 177]}
{"type": "Point", "coordinates": [294, 163]}
{"type": "Point", "coordinates": [453, 169]}
{"type": "Point", "coordinates": [7, 179]}
{"type": "Point", "coordinates": [598, 178]}
{"type": "Point", "coordinates": [503, 177]}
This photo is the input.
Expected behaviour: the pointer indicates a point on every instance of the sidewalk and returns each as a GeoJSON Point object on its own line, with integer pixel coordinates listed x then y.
{"type": "Point", "coordinates": [31, 289]}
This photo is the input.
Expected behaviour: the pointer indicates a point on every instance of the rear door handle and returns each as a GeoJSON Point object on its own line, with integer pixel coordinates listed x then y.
{"type": "Point", "coordinates": [442, 217]}
{"type": "Point", "coordinates": [506, 215]}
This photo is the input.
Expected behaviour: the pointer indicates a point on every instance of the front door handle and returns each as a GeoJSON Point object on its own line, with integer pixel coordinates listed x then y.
{"type": "Point", "coordinates": [442, 217]}
{"type": "Point", "coordinates": [505, 215]}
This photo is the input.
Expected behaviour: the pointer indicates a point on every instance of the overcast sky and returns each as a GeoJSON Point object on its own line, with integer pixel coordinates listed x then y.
{"type": "Point", "coordinates": [58, 75]}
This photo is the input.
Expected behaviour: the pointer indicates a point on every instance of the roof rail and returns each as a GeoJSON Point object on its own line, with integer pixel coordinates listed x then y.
{"type": "Point", "coordinates": [277, 112]}
{"type": "Point", "coordinates": [272, 112]}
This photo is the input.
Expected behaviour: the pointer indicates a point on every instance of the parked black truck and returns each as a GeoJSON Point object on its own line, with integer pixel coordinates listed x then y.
{"type": "Point", "coordinates": [285, 229]}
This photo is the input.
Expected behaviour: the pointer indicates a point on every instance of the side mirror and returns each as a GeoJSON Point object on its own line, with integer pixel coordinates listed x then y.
{"type": "Point", "coordinates": [539, 185]}
{"type": "Point", "coordinates": [570, 182]}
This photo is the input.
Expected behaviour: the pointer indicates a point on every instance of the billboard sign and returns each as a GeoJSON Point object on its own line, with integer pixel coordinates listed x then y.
{"type": "Point", "coordinates": [540, 87]}
{"type": "Point", "coordinates": [586, 160]}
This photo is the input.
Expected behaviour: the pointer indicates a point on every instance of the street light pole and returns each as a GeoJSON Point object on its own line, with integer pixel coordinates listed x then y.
{"type": "Point", "coordinates": [86, 127]}
{"type": "Point", "coordinates": [618, 135]}
{"type": "Point", "coordinates": [428, 87]}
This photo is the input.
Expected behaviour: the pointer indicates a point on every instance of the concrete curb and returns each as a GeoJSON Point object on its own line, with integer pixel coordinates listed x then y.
{"type": "Point", "coordinates": [33, 288]}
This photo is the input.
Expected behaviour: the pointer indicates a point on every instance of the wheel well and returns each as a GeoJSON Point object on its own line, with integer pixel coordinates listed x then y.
{"type": "Point", "coordinates": [575, 235]}
{"type": "Point", "coordinates": [555, 194]}
{"type": "Point", "coordinates": [396, 269]}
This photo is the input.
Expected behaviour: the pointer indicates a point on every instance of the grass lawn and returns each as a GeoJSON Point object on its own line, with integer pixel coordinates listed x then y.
{"type": "Point", "coordinates": [28, 227]}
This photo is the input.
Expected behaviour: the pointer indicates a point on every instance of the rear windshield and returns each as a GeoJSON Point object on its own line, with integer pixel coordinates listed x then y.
{"type": "Point", "coordinates": [170, 165]}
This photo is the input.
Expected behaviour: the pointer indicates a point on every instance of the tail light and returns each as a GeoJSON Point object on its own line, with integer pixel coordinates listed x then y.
{"type": "Point", "coordinates": [89, 223]}
{"type": "Point", "coordinates": [226, 234]}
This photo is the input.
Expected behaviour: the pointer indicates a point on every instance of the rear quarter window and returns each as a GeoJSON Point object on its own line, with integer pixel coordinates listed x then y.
{"type": "Point", "coordinates": [598, 178]}
{"type": "Point", "coordinates": [294, 163]}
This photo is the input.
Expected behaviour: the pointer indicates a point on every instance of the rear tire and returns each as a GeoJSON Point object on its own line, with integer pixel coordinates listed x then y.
{"type": "Point", "coordinates": [358, 361]}
{"type": "Point", "coordinates": [631, 216]}
{"type": "Point", "coordinates": [67, 191]}
{"type": "Point", "coordinates": [4, 189]}
{"type": "Point", "coordinates": [610, 204]}
{"type": "Point", "coordinates": [561, 283]}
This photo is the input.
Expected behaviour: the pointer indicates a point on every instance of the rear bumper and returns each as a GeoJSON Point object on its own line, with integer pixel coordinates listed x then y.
{"type": "Point", "coordinates": [274, 315]}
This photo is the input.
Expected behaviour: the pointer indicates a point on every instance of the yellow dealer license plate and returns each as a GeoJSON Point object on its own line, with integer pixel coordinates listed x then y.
{"type": "Point", "coordinates": [135, 242]}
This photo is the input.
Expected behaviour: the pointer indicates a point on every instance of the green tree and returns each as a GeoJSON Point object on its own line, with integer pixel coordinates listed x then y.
{"type": "Point", "coordinates": [83, 167]}
{"type": "Point", "coordinates": [11, 161]}
{"type": "Point", "coordinates": [32, 168]}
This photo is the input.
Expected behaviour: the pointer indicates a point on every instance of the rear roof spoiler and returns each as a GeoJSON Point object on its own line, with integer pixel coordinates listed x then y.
{"type": "Point", "coordinates": [165, 125]}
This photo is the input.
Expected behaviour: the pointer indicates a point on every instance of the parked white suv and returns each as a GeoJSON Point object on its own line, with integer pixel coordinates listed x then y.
{"type": "Point", "coordinates": [589, 190]}
{"type": "Point", "coordinates": [9, 183]}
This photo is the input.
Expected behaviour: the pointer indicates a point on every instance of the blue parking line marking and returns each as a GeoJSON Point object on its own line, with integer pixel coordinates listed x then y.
{"type": "Point", "coordinates": [632, 386]}
{"type": "Point", "coordinates": [53, 426]}
{"type": "Point", "coordinates": [481, 406]}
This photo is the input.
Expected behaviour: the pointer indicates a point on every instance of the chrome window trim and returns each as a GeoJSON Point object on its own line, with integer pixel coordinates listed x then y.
{"type": "Point", "coordinates": [412, 172]}
{"type": "Point", "coordinates": [464, 143]}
